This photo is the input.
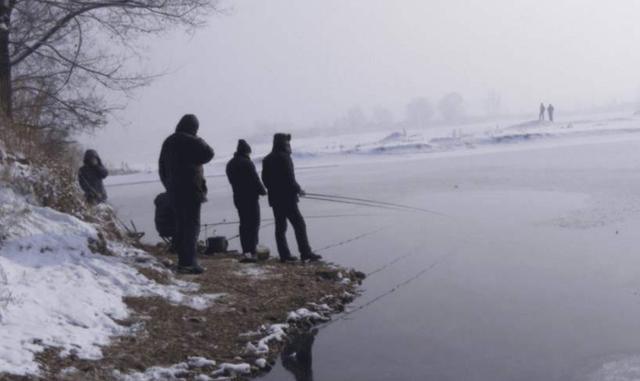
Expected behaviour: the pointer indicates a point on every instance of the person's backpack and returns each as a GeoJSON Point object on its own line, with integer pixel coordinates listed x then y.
{"type": "Point", "coordinates": [164, 217]}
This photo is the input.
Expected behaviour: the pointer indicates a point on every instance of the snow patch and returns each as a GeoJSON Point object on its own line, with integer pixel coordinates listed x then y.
{"type": "Point", "coordinates": [233, 369]}
{"type": "Point", "coordinates": [275, 332]}
{"type": "Point", "coordinates": [261, 363]}
{"type": "Point", "coordinates": [200, 362]}
{"type": "Point", "coordinates": [177, 372]}
{"type": "Point", "coordinates": [57, 293]}
{"type": "Point", "coordinates": [626, 369]}
{"type": "Point", "coordinates": [305, 314]}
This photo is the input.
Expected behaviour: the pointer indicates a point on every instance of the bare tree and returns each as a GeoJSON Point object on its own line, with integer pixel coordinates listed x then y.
{"type": "Point", "coordinates": [451, 107]}
{"type": "Point", "coordinates": [57, 57]}
{"type": "Point", "coordinates": [419, 112]}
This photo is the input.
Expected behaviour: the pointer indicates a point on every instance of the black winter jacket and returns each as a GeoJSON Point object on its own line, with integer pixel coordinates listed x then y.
{"type": "Point", "coordinates": [180, 166]}
{"type": "Point", "coordinates": [90, 177]}
{"type": "Point", "coordinates": [278, 173]}
{"type": "Point", "coordinates": [244, 179]}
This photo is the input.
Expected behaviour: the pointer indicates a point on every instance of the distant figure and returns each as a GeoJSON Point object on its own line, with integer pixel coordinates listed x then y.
{"type": "Point", "coordinates": [247, 189]}
{"type": "Point", "coordinates": [90, 177]}
{"type": "Point", "coordinates": [542, 110]}
{"type": "Point", "coordinates": [279, 177]}
{"type": "Point", "coordinates": [180, 168]}
{"type": "Point", "coordinates": [550, 109]}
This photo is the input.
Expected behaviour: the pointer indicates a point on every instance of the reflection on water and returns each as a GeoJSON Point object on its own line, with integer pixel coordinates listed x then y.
{"type": "Point", "coordinates": [296, 356]}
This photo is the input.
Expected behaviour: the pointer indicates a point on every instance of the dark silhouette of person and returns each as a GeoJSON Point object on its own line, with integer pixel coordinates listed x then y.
{"type": "Point", "coordinates": [90, 177]}
{"type": "Point", "coordinates": [542, 110]}
{"type": "Point", "coordinates": [247, 189]}
{"type": "Point", "coordinates": [278, 175]}
{"type": "Point", "coordinates": [164, 219]}
{"type": "Point", "coordinates": [296, 356]}
{"type": "Point", "coordinates": [180, 167]}
{"type": "Point", "coordinates": [550, 110]}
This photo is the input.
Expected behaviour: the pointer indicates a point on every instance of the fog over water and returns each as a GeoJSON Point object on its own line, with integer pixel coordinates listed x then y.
{"type": "Point", "coordinates": [286, 64]}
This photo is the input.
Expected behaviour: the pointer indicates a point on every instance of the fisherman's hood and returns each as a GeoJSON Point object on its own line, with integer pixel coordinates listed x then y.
{"type": "Point", "coordinates": [189, 124]}
{"type": "Point", "coordinates": [281, 143]}
{"type": "Point", "coordinates": [90, 154]}
{"type": "Point", "coordinates": [243, 148]}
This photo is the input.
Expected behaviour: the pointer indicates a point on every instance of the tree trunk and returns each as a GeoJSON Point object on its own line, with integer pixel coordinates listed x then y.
{"type": "Point", "coordinates": [6, 93]}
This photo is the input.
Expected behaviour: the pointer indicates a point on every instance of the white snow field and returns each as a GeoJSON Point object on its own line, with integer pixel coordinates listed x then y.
{"type": "Point", "coordinates": [533, 272]}
{"type": "Point", "coordinates": [54, 292]}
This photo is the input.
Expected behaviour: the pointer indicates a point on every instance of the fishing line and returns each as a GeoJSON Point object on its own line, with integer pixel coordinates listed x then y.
{"type": "Point", "coordinates": [360, 236]}
{"type": "Point", "coordinates": [393, 289]}
{"type": "Point", "coordinates": [329, 196]}
{"type": "Point", "coordinates": [389, 264]}
{"type": "Point", "coordinates": [354, 203]}
{"type": "Point", "coordinates": [261, 226]}
{"type": "Point", "coordinates": [224, 222]}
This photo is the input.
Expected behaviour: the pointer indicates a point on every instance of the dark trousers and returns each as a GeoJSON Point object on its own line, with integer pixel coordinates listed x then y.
{"type": "Point", "coordinates": [249, 213]}
{"type": "Point", "coordinates": [185, 240]}
{"type": "Point", "coordinates": [290, 212]}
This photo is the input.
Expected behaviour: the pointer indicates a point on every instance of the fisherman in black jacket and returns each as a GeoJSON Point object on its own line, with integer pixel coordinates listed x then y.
{"type": "Point", "coordinates": [90, 177]}
{"type": "Point", "coordinates": [180, 168]}
{"type": "Point", "coordinates": [279, 177]}
{"type": "Point", "coordinates": [247, 189]}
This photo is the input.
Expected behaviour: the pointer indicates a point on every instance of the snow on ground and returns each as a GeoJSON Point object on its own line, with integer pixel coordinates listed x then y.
{"type": "Point", "coordinates": [254, 271]}
{"type": "Point", "coordinates": [57, 293]}
{"type": "Point", "coordinates": [275, 332]}
{"type": "Point", "coordinates": [480, 136]}
{"type": "Point", "coordinates": [623, 369]}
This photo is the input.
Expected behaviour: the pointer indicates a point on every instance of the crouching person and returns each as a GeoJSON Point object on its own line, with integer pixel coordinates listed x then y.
{"type": "Point", "coordinates": [279, 177]}
{"type": "Point", "coordinates": [247, 189]}
{"type": "Point", "coordinates": [90, 177]}
{"type": "Point", "coordinates": [180, 167]}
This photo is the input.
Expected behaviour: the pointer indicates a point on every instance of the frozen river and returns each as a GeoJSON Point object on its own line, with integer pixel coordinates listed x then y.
{"type": "Point", "coordinates": [532, 274]}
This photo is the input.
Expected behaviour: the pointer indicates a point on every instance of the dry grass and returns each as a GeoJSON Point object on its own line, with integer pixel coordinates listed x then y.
{"type": "Point", "coordinates": [172, 333]}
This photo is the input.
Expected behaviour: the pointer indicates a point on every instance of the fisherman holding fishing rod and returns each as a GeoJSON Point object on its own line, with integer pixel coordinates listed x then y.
{"type": "Point", "coordinates": [278, 175]}
{"type": "Point", "coordinates": [247, 189]}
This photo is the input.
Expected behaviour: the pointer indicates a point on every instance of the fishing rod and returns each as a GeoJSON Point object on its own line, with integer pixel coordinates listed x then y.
{"type": "Point", "coordinates": [373, 202]}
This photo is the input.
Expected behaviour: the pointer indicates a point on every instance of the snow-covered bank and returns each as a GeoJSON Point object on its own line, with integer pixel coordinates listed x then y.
{"type": "Point", "coordinates": [55, 292]}
{"type": "Point", "coordinates": [499, 135]}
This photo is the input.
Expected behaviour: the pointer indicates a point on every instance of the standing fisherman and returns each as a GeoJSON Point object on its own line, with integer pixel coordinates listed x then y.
{"type": "Point", "coordinates": [90, 177]}
{"type": "Point", "coordinates": [279, 177]}
{"type": "Point", "coordinates": [542, 110]}
{"type": "Point", "coordinates": [247, 189]}
{"type": "Point", "coordinates": [550, 110]}
{"type": "Point", "coordinates": [180, 168]}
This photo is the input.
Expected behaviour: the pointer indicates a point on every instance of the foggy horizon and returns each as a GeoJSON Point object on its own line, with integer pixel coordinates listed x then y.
{"type": "Point", "coordinates": [292, 66]}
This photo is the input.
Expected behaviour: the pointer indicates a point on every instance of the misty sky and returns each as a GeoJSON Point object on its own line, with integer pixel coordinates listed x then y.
{"type": "Point", "coordinates": [306, 62]}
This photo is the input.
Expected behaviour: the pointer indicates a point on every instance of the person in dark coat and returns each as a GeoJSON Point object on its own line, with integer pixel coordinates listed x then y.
{"type": "Point", "coordinates": [550, 110]}
{"type": "Point", "coordinates": [247, 189]}
{"type": "Point", "coordinates": [542, 110]}
{"type": "Point", "coordinates": [278, 175]}
{"type": "Point", "coordinates": [90, 177]}
{"type": "Point", "coordinates": [180, 167]}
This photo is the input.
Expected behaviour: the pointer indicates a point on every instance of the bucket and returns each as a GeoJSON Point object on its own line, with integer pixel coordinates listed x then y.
{"type": "Point", "coordinates": [262, 253]}
{"type": "Point", "coordinates": [217, 244]}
